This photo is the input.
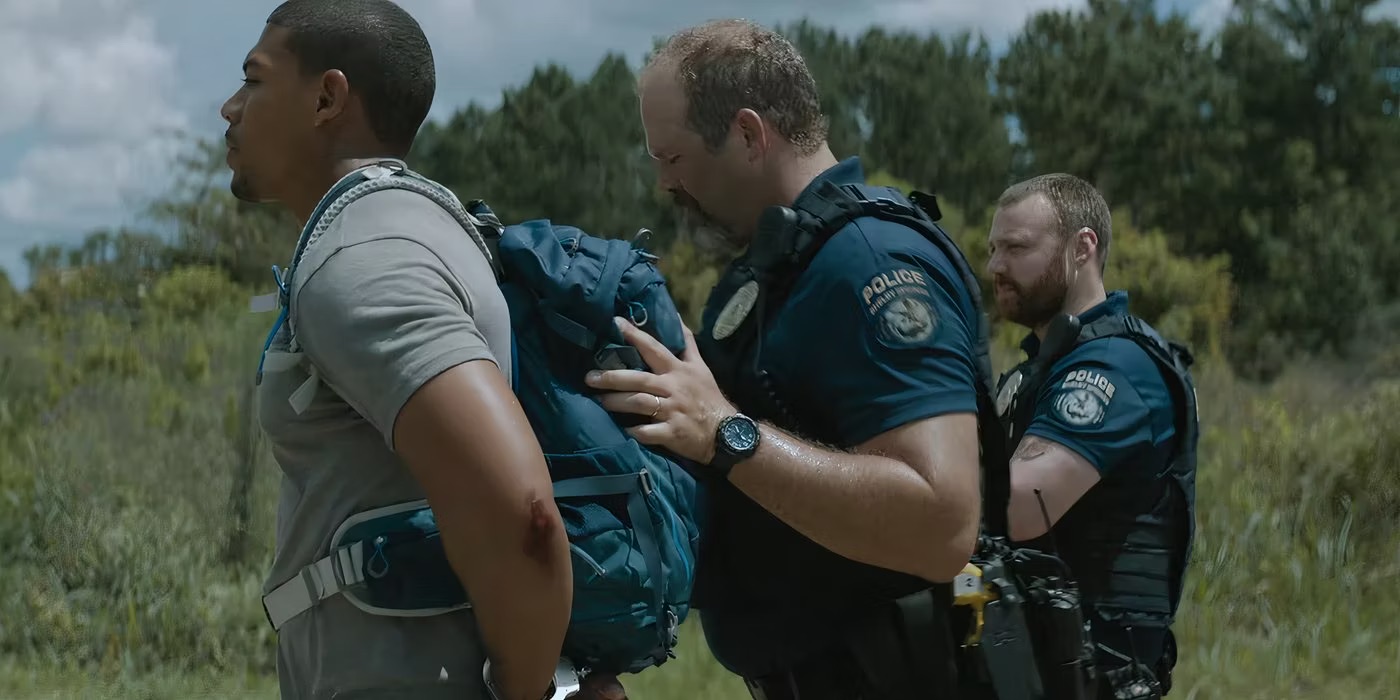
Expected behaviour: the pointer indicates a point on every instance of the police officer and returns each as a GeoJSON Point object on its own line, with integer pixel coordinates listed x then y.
{"type": "Point", "coordinates": [830, 396]}
{"type": "Point", "coordinates": [1102, 420]}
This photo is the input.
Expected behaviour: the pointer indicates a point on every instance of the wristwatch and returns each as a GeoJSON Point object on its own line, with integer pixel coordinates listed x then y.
{"type": "Point", "coordinates": [735, 441]}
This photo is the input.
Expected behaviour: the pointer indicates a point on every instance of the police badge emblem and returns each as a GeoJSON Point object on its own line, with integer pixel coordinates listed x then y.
{"type": "Point", "coordinates": [735, 311]}
{"type": "Point", "coordinates": [1008, 390]}
{"type": "Point", "coordinates": [907, 320]}
{"type": "Point", "coordinates": [1079, 407]}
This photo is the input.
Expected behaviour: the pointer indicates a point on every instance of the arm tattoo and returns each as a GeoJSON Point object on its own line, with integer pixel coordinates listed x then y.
{"type": "Point", "coordinates": [1030, 448]}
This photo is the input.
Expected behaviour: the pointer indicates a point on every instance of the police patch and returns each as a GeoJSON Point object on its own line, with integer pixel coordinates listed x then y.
{"type": "Point", "coordinates": [907, 320]}
{"type": "Point", "coordinates": [901, 306]}
{"type": "Point", "coordinates": [1079, 407]}
{"type": "Point", "coordinates": [735, 311]}
{"type": "Point", "coordinates": [1083, 397]}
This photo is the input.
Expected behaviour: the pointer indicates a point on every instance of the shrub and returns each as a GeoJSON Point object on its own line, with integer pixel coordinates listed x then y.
{"type": "Point", "coordinates": [190, 292]}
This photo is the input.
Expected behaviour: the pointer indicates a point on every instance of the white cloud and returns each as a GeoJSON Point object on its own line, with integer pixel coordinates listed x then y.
{"type": "Point", "coordinates": [86, 82]}
{"type": "Point", "coordinates": [997, 19]}
{"type": "Point", "coordinates": [92, 82]}
{"type": "Point", "coordinates": [84, 181]}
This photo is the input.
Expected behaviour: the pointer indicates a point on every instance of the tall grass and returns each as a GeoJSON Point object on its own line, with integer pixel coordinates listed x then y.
{"type": "Point", "coordinates": [127, 574]}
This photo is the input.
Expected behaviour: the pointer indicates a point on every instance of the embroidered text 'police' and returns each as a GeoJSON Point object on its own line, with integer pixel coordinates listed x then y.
{"type": "Point", "coordinates": [890, 280]}
{"type": "Point", "coordinates": [1085, 378]}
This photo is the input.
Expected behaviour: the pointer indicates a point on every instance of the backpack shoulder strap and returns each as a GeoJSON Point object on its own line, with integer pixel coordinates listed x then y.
{"type": "Point", "coordinates": [491, 229]}
{"type": "Point", "coordinates": [381, 175]}
{"type": "Point", "coordinates": [388, 174]}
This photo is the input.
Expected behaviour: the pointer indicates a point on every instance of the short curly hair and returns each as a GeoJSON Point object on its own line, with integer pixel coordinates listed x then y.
{"type": "Point", "coordinates": [732, 64]}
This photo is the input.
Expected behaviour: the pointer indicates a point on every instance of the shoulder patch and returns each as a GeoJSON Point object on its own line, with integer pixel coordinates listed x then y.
{"type": "Point", "coordinates": [900, 304]}
{"type": "Point", "coordinates": [1083, 396]}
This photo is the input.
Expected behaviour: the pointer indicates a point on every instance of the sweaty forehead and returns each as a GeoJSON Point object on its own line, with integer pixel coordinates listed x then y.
{"type": "Point", "coordinates": [1031, 217]}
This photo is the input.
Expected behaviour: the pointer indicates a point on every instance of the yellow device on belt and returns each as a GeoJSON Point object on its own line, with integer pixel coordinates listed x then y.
{"type": "Point", "coordinates": [969, 590]}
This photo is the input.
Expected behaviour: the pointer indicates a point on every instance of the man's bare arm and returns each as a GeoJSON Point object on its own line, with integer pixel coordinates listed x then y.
{"type": "Point", "coordinates": [907, 499]}
{"type": "Point", "coordinates": [1061, 475]}
{"type": "Point", "coordinates": [467, 441]}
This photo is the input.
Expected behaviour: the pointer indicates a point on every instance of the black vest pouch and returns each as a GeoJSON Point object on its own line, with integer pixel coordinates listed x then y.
{"type": "Point", "coordinates": [906, 648]}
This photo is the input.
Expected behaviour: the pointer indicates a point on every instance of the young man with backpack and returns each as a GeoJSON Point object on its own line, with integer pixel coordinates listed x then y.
{"type": "Point", "coordinates": [831, 396]}
{"type": "Point", "coordinates": [386, 380]}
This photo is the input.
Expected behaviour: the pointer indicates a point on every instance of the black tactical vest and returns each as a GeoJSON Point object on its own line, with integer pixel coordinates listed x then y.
{"type": "Point", "coordinates": [759, 561]}
{"type": "Point", "coordinates": [1128, 540]}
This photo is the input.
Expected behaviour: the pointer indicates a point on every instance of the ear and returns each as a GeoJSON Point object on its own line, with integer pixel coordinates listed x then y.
{"type": "Point", "coordinates": [753, 132]}
{"type": "Point", "coordinates": [333, 96]}
{"type": "Point", "coordinates": [1086, 242]}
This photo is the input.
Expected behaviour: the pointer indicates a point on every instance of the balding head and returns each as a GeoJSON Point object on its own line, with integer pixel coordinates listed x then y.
{"type": "Point", "coordinates": [728, 65]}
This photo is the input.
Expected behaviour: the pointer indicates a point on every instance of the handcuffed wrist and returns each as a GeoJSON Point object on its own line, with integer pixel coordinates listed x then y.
{"type": "Point", "coordinates": [491, 684]}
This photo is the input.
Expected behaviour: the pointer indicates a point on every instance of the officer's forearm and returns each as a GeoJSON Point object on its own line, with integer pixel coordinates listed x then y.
{"type": "Point", "coordinates": [870, 508]}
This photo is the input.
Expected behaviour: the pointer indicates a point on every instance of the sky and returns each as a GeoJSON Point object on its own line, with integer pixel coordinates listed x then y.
{"type": "Point", "coordinates": [93, 93]}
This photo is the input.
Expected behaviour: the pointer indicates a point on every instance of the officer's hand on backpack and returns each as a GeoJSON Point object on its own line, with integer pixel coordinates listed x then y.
{"type": "Point", "coordinates": [601, 687]}
{"type": "Point", "coordinates": [679, 396]}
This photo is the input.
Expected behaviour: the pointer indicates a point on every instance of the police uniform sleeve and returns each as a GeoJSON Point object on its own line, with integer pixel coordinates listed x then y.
{"type": "Point", "coordinates": [1102, 406]}
{"type": "Point", "coordinates": [379, 319]}
{"type": "Point", "coordinates": [886, 342]}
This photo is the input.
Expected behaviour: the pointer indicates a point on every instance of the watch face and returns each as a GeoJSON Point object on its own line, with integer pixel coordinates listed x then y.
{"type": "Point", "coordinates": [740, 434]}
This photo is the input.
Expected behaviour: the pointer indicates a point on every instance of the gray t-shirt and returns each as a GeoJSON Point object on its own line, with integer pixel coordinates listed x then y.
{"type": "Point", "coordinates": [392, 294]}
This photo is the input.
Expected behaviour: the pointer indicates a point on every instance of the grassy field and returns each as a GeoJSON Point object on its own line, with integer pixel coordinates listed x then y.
{"type": "Point", "coordinates": [131, 572]}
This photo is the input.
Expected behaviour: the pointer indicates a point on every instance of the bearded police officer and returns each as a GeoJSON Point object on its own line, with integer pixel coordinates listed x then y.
{"type": "Point", "coordinates": [831, 395]}
{"type": "Point", "coordinates": [1102, 420]}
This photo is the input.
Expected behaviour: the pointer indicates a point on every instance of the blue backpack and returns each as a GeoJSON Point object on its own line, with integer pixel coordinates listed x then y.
{"type": "Point", "coordinates": [630, 512]}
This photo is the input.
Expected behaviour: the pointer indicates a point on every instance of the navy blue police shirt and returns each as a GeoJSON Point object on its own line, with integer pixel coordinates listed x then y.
{"type": "Point", "coordinates": [877, 333]}
{"type": "Point", "coordinates": [1107, 401]}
